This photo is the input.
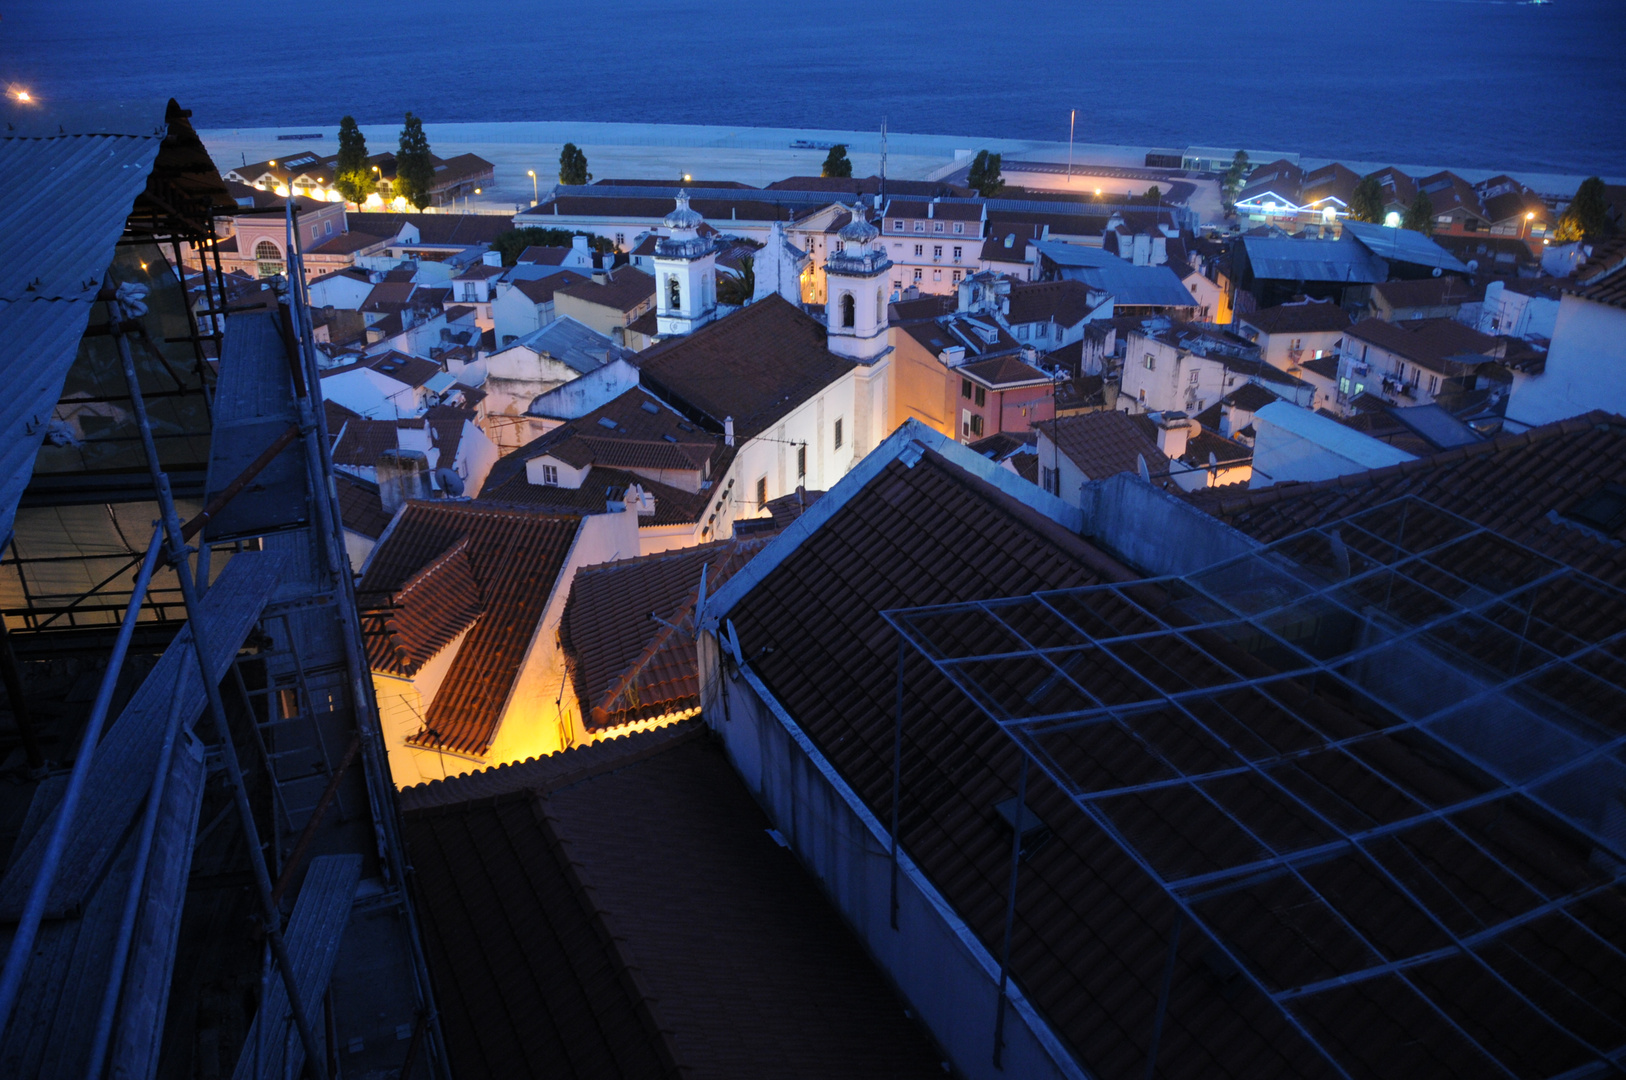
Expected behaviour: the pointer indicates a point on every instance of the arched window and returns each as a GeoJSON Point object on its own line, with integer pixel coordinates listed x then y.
{"type": "Point", "coordinates": [880, 308]}
{"type": "Point", "coordinates": [848, 309]}
{"type": "Point", "coordinates": [674, 293]}
{"type": "Point", "coordinates": [268, 257]}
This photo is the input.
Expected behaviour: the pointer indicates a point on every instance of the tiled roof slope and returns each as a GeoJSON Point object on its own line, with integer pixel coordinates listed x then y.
{"type": "Point", "coordinates": [628, 629]}
{"type": "Point", "coordinates": [426, 613]}
{"type": "Point", "coordinates": [633, 430]}
{"type": "Point", "coordinates": [1519, 485]}
{"type": "Point", "coordinates": [673, 506]}
{"type": "Point", "coordinates": [515, 556]}
{"type": "Point", "coordinates": [1092, 930]}
{"type": "Point", "coordinates": [360, 506]}
{"type": "Point", "coordinates": [1106, 443]}
{"type": "Point", "coordinates": [755, 365]}
{"type": "Point", "coordinates": [1297, 318]}
{"type": "Point", "coordinates": [634, 918]}
{"type": "Point", "coordinates": [1602, 278]}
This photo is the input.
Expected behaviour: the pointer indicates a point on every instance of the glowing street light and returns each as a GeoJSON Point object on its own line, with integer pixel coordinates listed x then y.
{"type": "Point", "coordinates": [24, 95]}
{"type": "Point", "coordinates": [535, 198]}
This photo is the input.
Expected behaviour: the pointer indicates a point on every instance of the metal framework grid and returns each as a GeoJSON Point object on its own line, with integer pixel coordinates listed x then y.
{"type": "Point", "coordinates": [1371, 723]}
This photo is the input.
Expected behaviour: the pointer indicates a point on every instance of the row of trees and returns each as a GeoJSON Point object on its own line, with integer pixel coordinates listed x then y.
{"type": "Point", "coordinates": [356, 178]}
{"type": "Point", "coordinates": [984, 176]}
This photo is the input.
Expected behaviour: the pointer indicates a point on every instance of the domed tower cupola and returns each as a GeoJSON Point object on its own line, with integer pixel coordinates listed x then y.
{"type": "Point", "coordinates": [855, 283]}
{"type": "Point", "coordinates": [685, 273]}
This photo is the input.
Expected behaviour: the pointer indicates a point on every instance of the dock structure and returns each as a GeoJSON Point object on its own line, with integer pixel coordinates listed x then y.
{"type": "Point", "coordinates": [205, 873]}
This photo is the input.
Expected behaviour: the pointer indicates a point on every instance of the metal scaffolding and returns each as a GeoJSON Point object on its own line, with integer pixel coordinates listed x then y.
{"type": "Point", "coordinates": [1368, 698]}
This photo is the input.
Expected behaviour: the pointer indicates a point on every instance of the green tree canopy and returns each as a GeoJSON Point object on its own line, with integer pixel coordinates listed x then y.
{"type": "Point", "coordinates": [414, 167]}
{"type": "Point", "coordinates": [515, 241]}
{"type": "Point", "coordinates": [573, 166]}
{"type": "Point", "coordinates": [983, 177]}
{"type": "Point", "coordinates": [737, 290]}
{"type": "Point", "coordinates": [1366, 204]}
{"type": "Point", "coordinates": [352, 176]}
{"type": "Point", "coordinates": [1420, 215]}
{"type": "Point", "coordinates": [1587, 216]}
{"type": "Point", "coordinates": [836, 164]}
{"type": "Point", "coordinates": [1154, 193]}
{"type": "Point", "coordinates": [1235, 177]}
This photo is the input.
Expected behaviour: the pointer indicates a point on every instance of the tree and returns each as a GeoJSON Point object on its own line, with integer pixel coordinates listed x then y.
{"type": "Point", "coordinates": [352, 176]}
{"type": "Point", "coordinates": [737, 290]}
{"type": "Point", "coordinates": [414, 167]}
{"type": "Point", "coordinates": [1235, 176]}
{"type": "Point", "coordinates": [1420, 215]}
{"type": "Point", "coordinates": [511, 243]}
{"type": "Point", "coordinates": [1155, 193]}
{"type": "Point", "coordinates": [1587, 216]}
{"type": "Point", "coordinates": [1366, 204]}
{"type": "Point", "coordinates": [983, 176]}
{"type": "Point", "coordinates": [573, 166]}
{"type": "Point", "coordinates": [836, 164]}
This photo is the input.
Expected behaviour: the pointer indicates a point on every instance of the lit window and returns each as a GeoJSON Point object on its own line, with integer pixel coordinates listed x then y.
{"type": "Point", "coordinates": [550, 475]}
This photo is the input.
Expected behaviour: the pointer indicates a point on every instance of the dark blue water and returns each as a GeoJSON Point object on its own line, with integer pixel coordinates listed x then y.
{"type": "Point", "coordinates": [1475, 83]}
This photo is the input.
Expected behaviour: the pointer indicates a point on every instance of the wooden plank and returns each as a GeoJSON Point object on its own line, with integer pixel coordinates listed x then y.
{"type": "Point", "coordinates": [314, 932]}
{"type": "Point", "coordinates": [129, 751]}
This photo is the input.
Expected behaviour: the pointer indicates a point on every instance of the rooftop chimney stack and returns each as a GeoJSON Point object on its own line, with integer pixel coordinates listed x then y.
{"type": "Point", "coordinates": [1173, 432]}
{"type": "Point", "coordinates": [728, 431]}
{"type": "Point", "coordinates": [402, 475]}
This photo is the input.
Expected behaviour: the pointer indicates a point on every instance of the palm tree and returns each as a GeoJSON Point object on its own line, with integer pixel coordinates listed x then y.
{"type": "Point", "coordinates": [736, 290]}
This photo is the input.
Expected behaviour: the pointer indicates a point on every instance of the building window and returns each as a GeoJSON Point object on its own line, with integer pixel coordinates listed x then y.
{"type": "Point", "coordinates": [956, 277]}
{"type": "Point", "coordinates": [674, 293]}
{"type": "Point", "coordinates": [1193, 378]}
{"type": "Point", "coordinates": [327, 227]}
{"type": "Point", "coordinates": [848, 310]}
{"type": "Point", "coordinates": [836, 437]}
{"type": "Point", "coordinates": [550, 475]}
{"type": "Point", "coordinates": [957, 252]}
{"type": "Point", "coordinates": [762, 493]}
{"type": "Point", "coordinates": [468, 290]}
{"type": "Point", "coordinates": [801, 461]}
{"type": "Point", "coordinates": [897, 283]}
{"type": "Point", "coordinates": [1052, 480]}
{"type": "Point", "coordinates": [1433, 384]}
{"type": "Point", "coordinates": [917, 273]}
{"type": "Point", "coordinates": [897, 226]}
{"type": "Point", "coordinates": [937, 251]}
{"type": "Point", "coordinates": [965, 389]}
{"type": "Point", "coordinates": [920, 226]}
{"type": "Point", "coordinates": [959, 226]}
{"type": "Point", "coordinates": [982, 397]}
{"type": "Point", "coordinates": [920, 249]}
{"type": "Point", "coordinates": [976, 425]}
{"type": "Point", "coordinates": [269, 258]}
{"type": "Point", "coordinates": [620, 239]}
{"type": "Point", "coordinates": [1150, 362]}
{"type": "Point", "coordinates": [937, 226]}
{"type": "Point", "coordinates": [316, 232]}
{"type": "Point", "coordinates": [937, 275]}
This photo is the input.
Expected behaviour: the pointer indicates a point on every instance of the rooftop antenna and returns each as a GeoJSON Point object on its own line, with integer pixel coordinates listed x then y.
{"type": "Point", "coordinates": [883, 160]}
{"type": "Point", "coordinates": [1072, 122]}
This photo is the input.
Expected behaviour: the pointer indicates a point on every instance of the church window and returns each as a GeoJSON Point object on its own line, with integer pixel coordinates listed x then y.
{"type": "Point", "coordinates": [848, 309]}
{"type": "Point", "coordinates": [880, 308]}
{"type": "Point", "coordinates": [674, 293]}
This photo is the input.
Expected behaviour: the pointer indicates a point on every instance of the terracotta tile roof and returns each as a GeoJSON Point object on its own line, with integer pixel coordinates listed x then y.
{"type": "Point", "coordinates": [1106, 443]}
{"type": "Point", "coordinates": [389, 296]}
{"type": "Point", "coordinates": [787, 508]}
{"type": "Point", "coordinates": [755, 365]}
{"type": "Point", "coordinates": [628, 629]}
{"type": "Point", "coordinates": [446, 422]}
{"type": "Point", "coordinates": [1428, 292]}
{"type": "Point", "coordinates": [360, 506]}
{"type": "Point", "coordinates": [363, 440]}
{"type": "Point", "coordinates": [636, 920]}
{"type": "Point", "coordinates": [1520, 485]}
{"type": "Point", "coordinates": [1002, 371]}
{"type": "Point", "coordinates": [414, 371]}
{"type": "Point", "coordinates": [1250, 397]}
{"type": "Point", "coordinates": [346, 243]}
{"type": "Point", "coordinates": [673, 506]}
{"type": "Point", "coordinates": [543, 255]}
{"type": "Point", "coordinates": [1066, 303]}
{"type": "Point", "coordinates": [479, 272]}
{"type": "Point", "coordinates": [1602, 278]}
{"type": "Point", "coordinates": [634, 430]}
{"type": "Point", "coordinates": [1092, 929]}
{"type": "Point", "coordinates": [426, 613]}
{"type": "Point", "coordinates": [438, 230]}
{"type": "Point", "coordinates": [1428, 342]}
{"type": "Point", "coordinates": [1308, 318]}
{"type": "Point", "coordinates": [541, 290]}
{"type": "Point", "coordinates": [623, 290]}
{"type": "Point", "coordinates": [1447, 192]}
{"type": "Point", "coordinates": [926, 307]}
{"type": "Point", "coordinates": [1008, 242]}
{"type": "Point", "coordinates": [515, 555]}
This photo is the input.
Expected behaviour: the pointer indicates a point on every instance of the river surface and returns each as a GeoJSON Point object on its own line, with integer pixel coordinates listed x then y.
{"type": "Point", "coordinates": [1475, 83]}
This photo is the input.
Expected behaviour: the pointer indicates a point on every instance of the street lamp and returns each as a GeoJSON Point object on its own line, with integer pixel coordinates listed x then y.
{"type": "Point", "coordinates": [535, 198]}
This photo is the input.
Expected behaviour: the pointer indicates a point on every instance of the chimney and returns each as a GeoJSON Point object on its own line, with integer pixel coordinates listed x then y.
{"type": "Point", "coordinates": [577, 243]}
{"type": "Point", "coordinates": [402, 475]}
{"type": "Point", "coordinates": [1173, 431]}
{"type": "Point", "coordinates": [600, 277]}
{"type": "Point", "coordinates": [728, 431]}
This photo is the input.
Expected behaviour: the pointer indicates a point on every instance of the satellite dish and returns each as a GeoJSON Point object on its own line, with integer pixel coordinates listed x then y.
{"type": "Point", "coordinates": [450, 483]}
{"type": "Point", "coordinates": [1436, 271]}
{"type": "Point", "coordinates": [1473, 266]}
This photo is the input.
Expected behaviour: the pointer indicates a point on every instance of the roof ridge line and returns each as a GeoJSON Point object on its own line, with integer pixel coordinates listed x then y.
{"type": "Point", "coordinates": [628, 971]}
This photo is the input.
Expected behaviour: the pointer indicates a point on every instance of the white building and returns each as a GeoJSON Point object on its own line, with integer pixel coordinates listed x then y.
{"type": "Point", "coordinates": [1291, 443]}
{"type": "Point", "coordinates": [1586, 363]}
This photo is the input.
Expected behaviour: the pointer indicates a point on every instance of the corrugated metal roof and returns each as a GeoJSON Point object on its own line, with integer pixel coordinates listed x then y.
{"type": "Point", "coordinates": [1402, 245]}
{"type": "Point", "coordinates": [64, 198]}
{"type": "Point", "coordinates": [1289, 259]}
